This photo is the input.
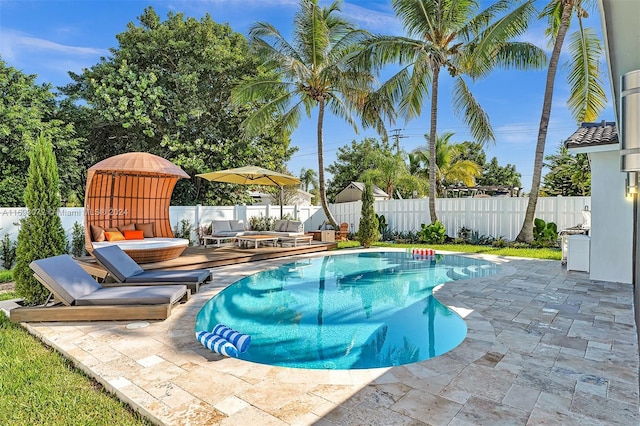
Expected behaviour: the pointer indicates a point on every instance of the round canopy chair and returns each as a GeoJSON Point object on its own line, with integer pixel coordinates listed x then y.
{"type": "Point", "coordinates": [133, 188]}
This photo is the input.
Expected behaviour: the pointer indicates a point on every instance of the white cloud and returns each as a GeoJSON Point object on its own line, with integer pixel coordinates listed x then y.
{"type": "Point", "coordinates": [14, 43]}
{"type": "Point", "coordinates": [372, 20]}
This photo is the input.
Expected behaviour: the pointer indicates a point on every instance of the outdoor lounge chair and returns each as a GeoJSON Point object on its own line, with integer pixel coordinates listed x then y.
{"type": "Point", "coordinates": [78, 297]}
{"type": "Point", "coordinates": [125, 270]}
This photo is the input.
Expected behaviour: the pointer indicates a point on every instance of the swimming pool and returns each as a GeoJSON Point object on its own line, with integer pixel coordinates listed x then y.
{"type": "Point", "coordinates": [346, 311]}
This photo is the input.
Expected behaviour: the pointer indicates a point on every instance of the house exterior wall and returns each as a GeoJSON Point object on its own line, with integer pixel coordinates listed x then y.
{"type": "Point", "coordinates": [611, 220]}
{"type": "Point", "coordinates": [349, 194]}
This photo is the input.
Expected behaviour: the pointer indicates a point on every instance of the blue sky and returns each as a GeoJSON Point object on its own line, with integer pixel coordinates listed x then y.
{"type": "Point", "coordinates": [51, 37]}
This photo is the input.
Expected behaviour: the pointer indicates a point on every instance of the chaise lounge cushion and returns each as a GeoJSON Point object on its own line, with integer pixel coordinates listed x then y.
{"type": "Point", "coordinates": [67, 280]}
{"type": "Point", "coordinates": [126, 270]}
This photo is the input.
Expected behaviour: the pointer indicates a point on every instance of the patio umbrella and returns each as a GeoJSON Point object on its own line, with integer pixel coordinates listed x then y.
{"type": "Point", "coordinates": [252, 175]}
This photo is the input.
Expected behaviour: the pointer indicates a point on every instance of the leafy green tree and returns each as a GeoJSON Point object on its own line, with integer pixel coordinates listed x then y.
{"type": "Point", "coordinates": [41, 234]}
{"type": "Point", "coordinates": [26, 109]}
{"type": "Point", "coordinates": [587, 97]}
{"type": "Point", "coordinates": [450, 168]}
{"type": "Point", "coordinates": [311, 72]}
{"type": "Point", "coordinates": [368, 232]}
{"type": "Point", "coordinates": [493, 174]}
{"type": "Point", "coordinates": [569, 175]}
{"type": "Point", "coordinates": [351, 162]}
{"type": "Point", "coordinates": [165, 89]}
{"type": "Point", "coordinates": [456, 36]}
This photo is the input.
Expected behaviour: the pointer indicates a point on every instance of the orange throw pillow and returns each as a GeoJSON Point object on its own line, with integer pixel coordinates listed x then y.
{"type": "Point", "coordinates": [114, 236]}
{"type": "Point", "coordinates": [134, 235]}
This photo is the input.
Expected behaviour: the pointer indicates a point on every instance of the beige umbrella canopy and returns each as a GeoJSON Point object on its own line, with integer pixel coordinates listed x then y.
{"type": "Point", "coordinates": [252, 175]}
{"type": "Point", "coordinates": [139, 163]}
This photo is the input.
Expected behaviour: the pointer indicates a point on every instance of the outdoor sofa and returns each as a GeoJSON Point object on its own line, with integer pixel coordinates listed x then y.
{"type": "Point", "coordinates": [79, 297]}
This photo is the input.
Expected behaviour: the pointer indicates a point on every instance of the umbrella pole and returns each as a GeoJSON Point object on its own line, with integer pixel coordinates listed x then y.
{"type": "Point", "coordinates": [281, 200]}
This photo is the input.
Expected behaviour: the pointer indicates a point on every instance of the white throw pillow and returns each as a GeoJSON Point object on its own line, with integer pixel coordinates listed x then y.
{"type": "Point", "coordinates": [281, 226]}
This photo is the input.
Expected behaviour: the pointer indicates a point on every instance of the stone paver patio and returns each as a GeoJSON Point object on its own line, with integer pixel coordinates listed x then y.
{"type": "Point", "coordinates": [544, 346]}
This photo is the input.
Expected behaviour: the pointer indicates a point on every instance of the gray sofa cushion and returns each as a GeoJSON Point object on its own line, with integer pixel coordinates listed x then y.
{"type": "Point", "coordinates": [236, 225]}
{"type": "Point", "coordinates": [64, 277]}
{"type": "Point", "coordinates": [134, 295]}
{"type": "Point", "coordinates": [117, 262]}
{"type": "Point", "coordinates": [294, 226]}
{"type": "Point", "coordinates": [221, 226]}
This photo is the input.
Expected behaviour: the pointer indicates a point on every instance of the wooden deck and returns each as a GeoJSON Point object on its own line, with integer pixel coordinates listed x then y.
{"type": "Point", "coordinates": [201, 257]}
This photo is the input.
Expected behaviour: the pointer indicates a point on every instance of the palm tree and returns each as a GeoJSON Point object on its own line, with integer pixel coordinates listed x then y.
{"type": "Point", "coordinates": [308, 177]}
{"type": "Point", "coordinates": [587, 97]}
{"type": "Point", "coordinates": [392, 174]}
{"type": "Point", "coordinates": [456, 36]}
{"type": "Point", "coordinates": [450, 168]}
{"type": "Point", "coordinates": [313, 71]}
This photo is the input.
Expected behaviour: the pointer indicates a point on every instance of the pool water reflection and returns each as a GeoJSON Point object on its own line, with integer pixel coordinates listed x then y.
{"type": "Point", "coordinates": [346, 311]}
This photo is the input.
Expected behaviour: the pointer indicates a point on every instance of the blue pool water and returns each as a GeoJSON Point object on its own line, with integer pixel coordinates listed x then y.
{"type": "Point", "coordinates": [347, 311]}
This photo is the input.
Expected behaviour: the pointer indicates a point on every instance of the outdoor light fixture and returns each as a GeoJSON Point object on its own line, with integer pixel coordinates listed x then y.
{"type": "Point", "coordinates": [630, 123]}
{"type": "Point", "coordinates": [631, 184]}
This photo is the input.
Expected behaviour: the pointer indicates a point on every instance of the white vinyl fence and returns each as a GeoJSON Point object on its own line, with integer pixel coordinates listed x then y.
{"type": "Point", "coordinates": [196, 215]}
{"type": "Point", "coordinates": [496, 217]}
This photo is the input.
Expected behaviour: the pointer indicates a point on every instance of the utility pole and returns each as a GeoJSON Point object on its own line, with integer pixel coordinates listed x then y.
{"type": "Point", "coordinates": [397, 136]}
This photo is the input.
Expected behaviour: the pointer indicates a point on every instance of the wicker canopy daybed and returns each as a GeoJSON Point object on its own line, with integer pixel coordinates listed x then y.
{"type": "Point", "coordinates": [132, 192]}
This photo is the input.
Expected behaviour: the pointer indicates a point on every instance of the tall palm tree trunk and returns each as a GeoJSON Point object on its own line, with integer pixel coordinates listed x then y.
{"type": "Point", "coordinates": [526, 233]}
{"type": "Point", "coordinates": [433, 186]}
{"type": "Point", "coordinates": [323, 192]}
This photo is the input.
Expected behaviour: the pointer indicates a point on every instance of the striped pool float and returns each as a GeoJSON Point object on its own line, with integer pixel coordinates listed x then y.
{"type": "Point", "coordinates": [217, 344]}
{"type": "Point", "coordinates": [237, 339]}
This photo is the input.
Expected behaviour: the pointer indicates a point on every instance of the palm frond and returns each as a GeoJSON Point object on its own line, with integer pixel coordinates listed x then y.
{"type": "Point", "coordinates": [473, 115]}
{"type": "Point", "coordinates": [416, 89]}
{"type": "Point", "coordinates": [520, 56]}
{"type": "Point", "coordinates": [587, 98]}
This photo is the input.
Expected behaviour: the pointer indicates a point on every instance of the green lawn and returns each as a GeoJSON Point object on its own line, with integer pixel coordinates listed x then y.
{"type": "Point", "coordinates": [543, 253]}
{"type": "Point", "coordinates": [6, 276]}
{"type": "Point", "coordinates": [40, 387]}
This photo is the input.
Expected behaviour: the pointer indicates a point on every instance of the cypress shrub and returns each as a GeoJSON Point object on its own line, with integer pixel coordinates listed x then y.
{"type": "Point", "coordinates": [368, 232]}
{"type": "Point", "coordinates": [41, 234]}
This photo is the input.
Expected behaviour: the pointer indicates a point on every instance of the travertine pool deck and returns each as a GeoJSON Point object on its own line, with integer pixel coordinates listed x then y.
{"type": "Point", "coordinates": [544, 346]}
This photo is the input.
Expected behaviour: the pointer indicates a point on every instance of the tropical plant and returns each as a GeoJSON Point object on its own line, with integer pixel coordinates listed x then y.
{"type": "Point", "coordinates": [383, 226]}
{"type": "Point", "coordinates": [41, 234]}
{"type": "Point", "coordinates": [312, 71]}
{"type": "Point", "coordinates": [368, 228]}
{"type": "Point", "coordinates": [77, 240]}
{"type": "Point", "coordinates": [434, 233]}
{"type": "Point", "coordinates": [183, 230]}
{"type": "Point", "coordinates": [262, 223]}
{"type": "Point", "coordinates": [544, 234]}
{"type": "Point", "coordinates": [450, 168]}
{"type": "Point", "coordinates": [587, 96]}
{"type": "Point", "coordinates": [456, 36]}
